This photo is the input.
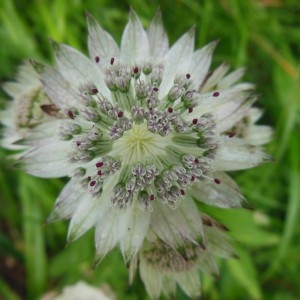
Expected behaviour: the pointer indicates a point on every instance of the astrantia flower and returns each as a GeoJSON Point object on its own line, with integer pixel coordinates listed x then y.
{"type": "Point", "coordinates": [143, 131]}
{"type": "Point", "coordinates": [79, 291]}
{"type": "Point", "coordinates": [24, 112]}
{"type": "Point", "coordinates": [162, 266]}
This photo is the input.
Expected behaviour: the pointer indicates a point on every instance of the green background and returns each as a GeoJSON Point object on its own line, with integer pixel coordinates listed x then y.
{"type": "Point", "coordinates": [263, 35]}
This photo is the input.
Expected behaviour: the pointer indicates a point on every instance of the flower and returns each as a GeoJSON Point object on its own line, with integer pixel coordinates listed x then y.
{"type": "Point", "coordinates": [79, 291]}
{"type": "Point", "coordinates": [24, 112]}
{"type": "Point", "coordinates": [162, 267]}
{"type": "Point", "coordinates": [143, 131]}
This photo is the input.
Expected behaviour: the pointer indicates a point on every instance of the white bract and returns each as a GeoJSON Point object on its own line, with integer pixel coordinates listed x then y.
{"type": "Point", "coordinates": [143, 131]}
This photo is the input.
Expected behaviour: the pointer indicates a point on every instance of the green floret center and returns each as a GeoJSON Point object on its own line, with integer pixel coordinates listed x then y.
{"type": "Point", "coordinates": [140, 145]}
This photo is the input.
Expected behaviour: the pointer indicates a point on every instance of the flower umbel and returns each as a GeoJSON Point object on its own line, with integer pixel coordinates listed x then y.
{"type": "Point", "coordinates": [25, 111]}
{"type": "Point", "coordinates": [144, 131]}
{"type": "Point", "coordinates": [163, 266]}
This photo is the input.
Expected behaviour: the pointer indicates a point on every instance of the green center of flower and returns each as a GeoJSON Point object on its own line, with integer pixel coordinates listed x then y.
{"type": "Point", "coordinates": [140, 145]}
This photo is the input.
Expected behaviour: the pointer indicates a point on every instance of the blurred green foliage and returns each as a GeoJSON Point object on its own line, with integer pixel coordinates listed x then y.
{"type": "Point", "coordinates": [263, 35]}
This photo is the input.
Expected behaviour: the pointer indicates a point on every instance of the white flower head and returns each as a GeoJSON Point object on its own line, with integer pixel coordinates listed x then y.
{"type": "Point", "coordinates": [79, 291]}
{"type": "Point", "coordinates": [143, 131]}
{"type": "Point", "coordinates": [163, 266]}
{"type": "Point", "coordinates": [24, 111]}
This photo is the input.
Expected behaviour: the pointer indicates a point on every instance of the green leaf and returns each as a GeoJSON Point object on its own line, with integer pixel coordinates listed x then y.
{"type": "Point", "coordinates": [244, 272]}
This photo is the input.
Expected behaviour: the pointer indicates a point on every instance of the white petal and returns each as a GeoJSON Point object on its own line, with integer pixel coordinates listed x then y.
{"type": "Point", "coordinates": [134, 45]}
{"type": "Point", "coordinates": [214, 78]}
{"type": "Point", "coordinates": [218, 243]}
{"type": "Point", "coordinates": [26, 79]}
{"type": "Point", "coordinates": [57, 88]}
{"type": "Point", "coordinates": [200, 63]}
{"type": "Point", "coordinates": [106, 234]}
{"type": "Point", "coordinates": [176, 60]}
{"type": "Point", "coordinates": [234, 154]}
{"type": "Point", "coordinates": [40, 134]}
{"type": "Point", "coordinates": [207, 264]}
{"type": "Point", "coordinates": [190, 282]}
{"type": "Point", "coordinates": [67, 201]}
{"type": "Point", "coordinates": [230, 120]}
{"type": "Point", "coordinates": [169, 285]}
{"type": "Point", "coordinates": [100, 42]}
{"type": "Point", "coordinates": [176, 226]}
{"type": "Point", "coordinates": [226, 194]}
{"type": "Point", "coordinates": [133, 268]}
{"type": "Point", "coordinates": [77, 69]}
{"type": "Point", "coordinates": [231, 78]}
{"type": "Point", "coordinates": [158, 40]}
{"type": "Point", "coordinates": [258, 135]}
{"type": "Point", "coordinates": [91, 210]}
{"type": "Point", "coordinates": [153, 279]}
{"type": "Point", "coordinates": [221, 106]}
{"type": "Point", "coordinates": [49, 159]}
{"type": "Point", "coordinates": [136, 222]}
{"type": "Point", "coordinates": [255, 114]}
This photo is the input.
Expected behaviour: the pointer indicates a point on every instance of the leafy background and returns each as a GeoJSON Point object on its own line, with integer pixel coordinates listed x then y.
{"type": "Point", "coordinates": [263, 35]}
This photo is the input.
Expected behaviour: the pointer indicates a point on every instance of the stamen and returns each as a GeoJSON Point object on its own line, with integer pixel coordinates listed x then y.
{"type": "Point", "coordinates": [217, 181]}
{"type": "Point", "coordinates": [93, 183]}
{"type": "Point", "coordinates": [151, 197]}
{"type": "Point", "coordinates": [112, 60]}
{"type": "Point", "coordinates": [70, 114]}
{"type": "Point", "coordinates": [99, 164]}
{"type": "Point", "coordinates": [136, 70]}
{"type": "Point", "coordinates": [94, 91]}
{"type": "Point", "coordinates": [97, 59]}
{"type": "Point", "coordinates": [216, 94]}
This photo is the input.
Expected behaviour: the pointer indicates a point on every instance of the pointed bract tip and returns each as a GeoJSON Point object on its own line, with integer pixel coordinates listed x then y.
{"type": "Point", "coordinates": [216, 275]}
{"type": "Point", "coordinates": [71, 238]}
{"type": "Point", "coordinates": [247, 205]}
{"type": "Point", "coordinates": [97, 260]}
{"type": "Point", "coordinates": [91, 21]}
{"type": "Point", "coordinates": [128, 259]}
{"type": "Point", "coordinates": [235, 256]}
{"type": "Point", "coordinates": [52, 218]}
{"type": "Point", "coordinates": [48, 221]}
{"type": "Point", "coordinates": [217, 41]}
{"type": "Point", "coordinates": [54, 44]}
{"type": "Point", "coordinates": [158, 11]}
{"type": "Point", "coordinates": [68, 243]}
{"type": "Point", "coordinates": [38, 67]}
{"type": "Point", "coordinates": [132, 15]}
{"type": "Point", "coordinates": [269, 158]}
{"type": "Point", "coordinates": [192, 31]}
{"type": "Point", "coordinates": [94, 266]}
{"type": "Point", "coordinates": [213, 45]}
{"type": "Point", "coordinates": [128, 264]}
{"type": "Point", "coordinates": [157, 19]}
